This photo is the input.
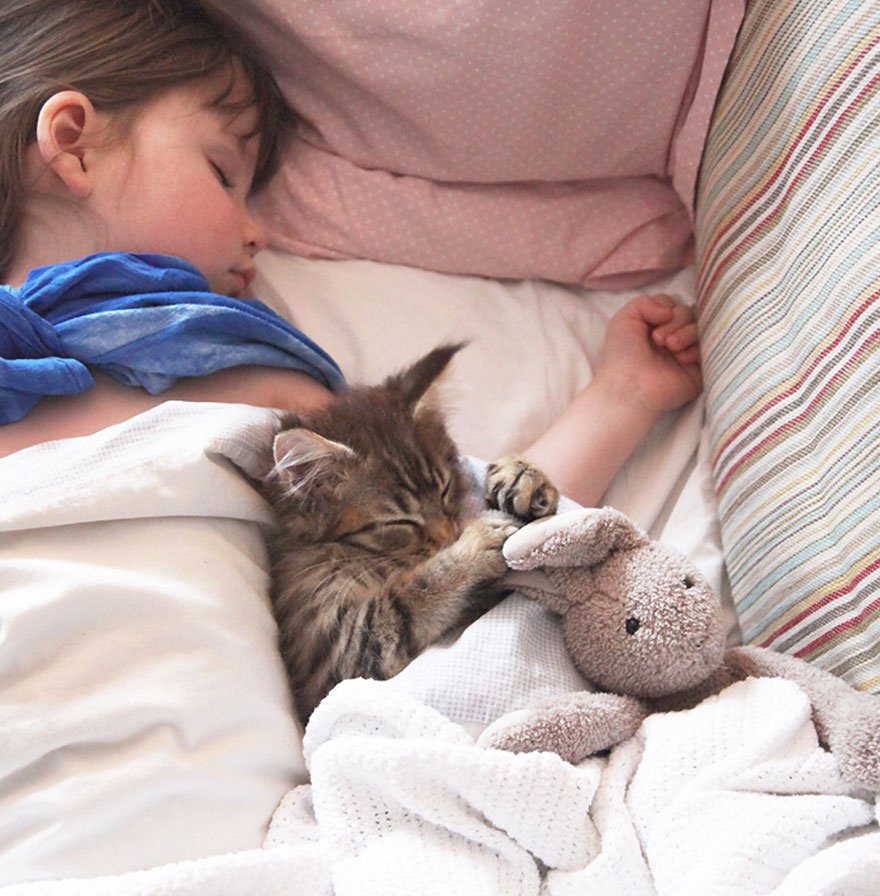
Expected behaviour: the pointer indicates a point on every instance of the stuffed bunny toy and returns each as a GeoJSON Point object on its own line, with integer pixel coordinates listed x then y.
{"type": "Point", "coordinates": [644, 626]}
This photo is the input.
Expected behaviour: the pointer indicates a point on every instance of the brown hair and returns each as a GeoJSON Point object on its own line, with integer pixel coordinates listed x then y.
{"type": "Point", "coordinates": [119, 53]}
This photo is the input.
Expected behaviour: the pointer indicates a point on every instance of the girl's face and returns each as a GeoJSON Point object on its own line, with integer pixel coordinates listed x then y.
{"type": "Point", "coordinates": [177, 184]}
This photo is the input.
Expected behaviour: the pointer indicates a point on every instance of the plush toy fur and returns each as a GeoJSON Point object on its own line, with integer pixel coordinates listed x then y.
{"type": "Point", "coordinates": [644, 625]}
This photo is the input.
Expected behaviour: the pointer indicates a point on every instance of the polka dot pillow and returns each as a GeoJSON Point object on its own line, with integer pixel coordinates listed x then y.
{"type": "Point", "coordinates": [556, 139]}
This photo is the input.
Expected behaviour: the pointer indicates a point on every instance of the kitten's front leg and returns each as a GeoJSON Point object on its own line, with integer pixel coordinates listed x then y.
{"type": "Point", "coordinates": [518, 487]}
{"type": "Point", "coordinates": [460, 582]}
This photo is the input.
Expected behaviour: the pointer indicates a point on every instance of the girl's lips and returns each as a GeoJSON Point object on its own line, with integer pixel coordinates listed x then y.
{"type": "Point", "coordinates": [244, 278]}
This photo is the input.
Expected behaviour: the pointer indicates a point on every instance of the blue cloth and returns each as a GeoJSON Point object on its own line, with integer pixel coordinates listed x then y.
{"type": "Point", "coordinates": [144, 319]}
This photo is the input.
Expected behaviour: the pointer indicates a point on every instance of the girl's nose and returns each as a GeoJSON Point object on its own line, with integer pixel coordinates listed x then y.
{"type": "Point", "coordinates": [254, 235]}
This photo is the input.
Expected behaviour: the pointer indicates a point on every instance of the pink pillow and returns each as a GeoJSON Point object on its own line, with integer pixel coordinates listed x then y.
{"type": "Point", "coordinates": [556, 139]}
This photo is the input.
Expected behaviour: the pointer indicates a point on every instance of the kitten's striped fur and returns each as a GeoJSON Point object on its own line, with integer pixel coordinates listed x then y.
{"type": "Point", "coordinates": [376, 555]}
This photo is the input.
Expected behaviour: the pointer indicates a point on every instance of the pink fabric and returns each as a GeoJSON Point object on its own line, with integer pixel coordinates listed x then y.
{"type": "Point", "coordinates": [557, 139]}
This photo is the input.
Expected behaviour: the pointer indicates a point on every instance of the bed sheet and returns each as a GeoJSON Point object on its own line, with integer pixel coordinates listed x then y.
{"type": "Point", "coordinates": [533, 345]}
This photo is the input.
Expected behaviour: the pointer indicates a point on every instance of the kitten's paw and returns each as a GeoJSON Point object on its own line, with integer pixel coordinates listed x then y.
{"type": "Point", "coordinates": [490, 530]}
{"type": "Point", "coordinates": [519, 488]}
{"type": "Point", "coordinates": [481, 542]}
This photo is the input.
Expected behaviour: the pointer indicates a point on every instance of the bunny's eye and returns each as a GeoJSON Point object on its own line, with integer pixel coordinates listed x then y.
{"type": "Point", "coordinates": [632, 625]}
{"type": "Point", "coordinates": [688, 582]}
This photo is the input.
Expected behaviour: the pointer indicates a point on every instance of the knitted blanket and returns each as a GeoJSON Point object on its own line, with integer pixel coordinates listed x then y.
{"type": "Point", "coordinates": [734, 796]}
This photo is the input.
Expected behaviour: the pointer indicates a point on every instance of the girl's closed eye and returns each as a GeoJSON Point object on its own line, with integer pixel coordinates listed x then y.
{"type": "Point", "coordinates": [221, 176]}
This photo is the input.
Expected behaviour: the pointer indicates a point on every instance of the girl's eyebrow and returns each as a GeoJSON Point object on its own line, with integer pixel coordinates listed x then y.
{"type": "Point", "coordinates": [237, 132]}
{"type": "Point", "coordinates": [234, 134]}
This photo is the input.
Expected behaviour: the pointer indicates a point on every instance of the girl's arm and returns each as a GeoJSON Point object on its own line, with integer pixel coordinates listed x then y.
{"type": "Point", "coordinates": [650, 365]}
{"type": "Point", "coordinates": [110, 402]}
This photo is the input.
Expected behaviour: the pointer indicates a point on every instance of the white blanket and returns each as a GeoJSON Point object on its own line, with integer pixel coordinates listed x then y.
{"type": "Point", "coordinates": [734, 796]}
{"type": "Point", "coordinates": [145, 713]}
{"type": "Point", "coordinates": [692, 804]}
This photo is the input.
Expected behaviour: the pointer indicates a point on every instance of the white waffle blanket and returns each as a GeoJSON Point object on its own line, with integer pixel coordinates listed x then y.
{"type": "Point", "coordinates": [734, 796]}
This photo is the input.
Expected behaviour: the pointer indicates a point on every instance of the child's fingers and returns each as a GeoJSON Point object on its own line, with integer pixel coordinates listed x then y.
{"type": "Point", "coordinates": [678, 333]}
{"type": "Point", "coordinates": [688, 356]}
{"type": "Point", "coordinates": [654, 310]}
{"type": "Point", "coordinates": [669, 315]}
{"type": "Point", "coordinates": [676, 338]}
{"type": "Point", "coordinates": [671, 325]}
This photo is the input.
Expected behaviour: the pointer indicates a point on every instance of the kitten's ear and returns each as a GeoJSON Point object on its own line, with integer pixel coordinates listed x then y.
{"type": "Point", "coordinates": [415, 381]}
{"type": "Point", "coordinates": [305, 458]}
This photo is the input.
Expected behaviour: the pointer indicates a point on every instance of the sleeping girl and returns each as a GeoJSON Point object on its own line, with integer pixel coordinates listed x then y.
{"type": "Point", "coordinates": [133, 136]}
{"type": "Point", "coordinates": [134, 128]}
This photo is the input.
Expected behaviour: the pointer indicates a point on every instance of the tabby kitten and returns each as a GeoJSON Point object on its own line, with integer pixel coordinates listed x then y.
{"type": "Point", "coordinates": [378, 550]}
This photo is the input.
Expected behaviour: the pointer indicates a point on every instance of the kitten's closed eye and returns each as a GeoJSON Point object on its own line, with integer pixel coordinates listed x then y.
{"type": "Point", "coordinates": [386, 535]}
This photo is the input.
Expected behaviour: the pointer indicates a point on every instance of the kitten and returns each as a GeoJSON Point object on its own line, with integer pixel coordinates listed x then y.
{"type": "Point", "coordinates": [375, 556]}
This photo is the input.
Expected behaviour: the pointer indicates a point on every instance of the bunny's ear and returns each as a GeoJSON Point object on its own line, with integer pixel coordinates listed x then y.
{"type": "Point", "coordinates": [582, 537]}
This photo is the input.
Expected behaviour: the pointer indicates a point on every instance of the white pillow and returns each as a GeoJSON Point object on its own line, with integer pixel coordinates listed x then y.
{"type": "Point", "coordinates": [144, 709]}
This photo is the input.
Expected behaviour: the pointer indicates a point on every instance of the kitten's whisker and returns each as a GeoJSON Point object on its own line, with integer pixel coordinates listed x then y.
{"type": "Point", "coordinates": [307, 569]}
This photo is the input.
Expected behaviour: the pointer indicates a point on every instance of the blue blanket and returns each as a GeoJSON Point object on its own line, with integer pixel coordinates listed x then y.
{"type": "Point", "coordinates": [144, 319]}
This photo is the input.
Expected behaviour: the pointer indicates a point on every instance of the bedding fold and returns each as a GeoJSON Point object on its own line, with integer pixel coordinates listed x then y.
{"type": "Point", "coordinates": [145, 711]}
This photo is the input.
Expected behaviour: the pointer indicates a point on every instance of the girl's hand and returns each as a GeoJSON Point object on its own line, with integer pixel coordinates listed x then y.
{"type": "Point", "coordinates": [651, 354]}
{"type": "Point", "coordinates": [650, 364]}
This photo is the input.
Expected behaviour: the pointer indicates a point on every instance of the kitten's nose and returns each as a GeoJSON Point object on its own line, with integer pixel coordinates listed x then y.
{"type": "Point", "coordinates": [440, 530]}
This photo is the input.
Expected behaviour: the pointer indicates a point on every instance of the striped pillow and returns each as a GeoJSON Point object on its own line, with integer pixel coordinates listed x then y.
{"type": "Point", "coordinates": [788, 243]}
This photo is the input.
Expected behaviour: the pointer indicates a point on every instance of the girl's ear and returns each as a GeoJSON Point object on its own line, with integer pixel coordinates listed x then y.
{"type": "Point", "coordinates": [66, 127]}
